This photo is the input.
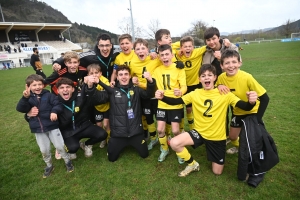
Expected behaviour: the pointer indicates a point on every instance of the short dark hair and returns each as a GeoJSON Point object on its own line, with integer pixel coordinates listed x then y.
{"type": "Point", "coordinates": [210, 32]}
{"type": "Point", "coordinates": [34, 48]}
{"type": "Point", "coordinates": [93, 66]}
{"type": "Point", "coordinates": [66, 81]}
{"type": "Point", "coordinates": [33, 77]}
{"type": "Point", "coordinates": [160, 33]}
{"type": "Point", "coordinates": [123, 67]}
{"type": "Point", "coordinates": [103, 36]}
{"type": "Point", "coordinates": [230, 53]}
{"type": "Point", "coordinates": [207, 67]}
{"type": "Point", "coordinates": [164, 47]}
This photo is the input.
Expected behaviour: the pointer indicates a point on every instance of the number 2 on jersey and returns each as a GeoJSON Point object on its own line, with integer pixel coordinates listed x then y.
{"type": "Point", "coordinates": [210, 102]}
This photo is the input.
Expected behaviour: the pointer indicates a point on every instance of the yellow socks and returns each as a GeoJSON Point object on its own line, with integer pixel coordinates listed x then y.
{"type": "Point", "coordinates": [184, 154]}
{"type": "Point", "coordinates": [163, 143]}
{"type": "Point", "coordinates": [235, 142]}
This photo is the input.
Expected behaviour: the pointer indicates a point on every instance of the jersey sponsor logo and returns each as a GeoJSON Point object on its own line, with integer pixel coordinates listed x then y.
{"type": "Point", "coordinates": [160, 113]}
{"type": "Point", "coordinates": [118, 94]}
{"type": "Point", "coordinates": [147, 111]}
{"type": "Point", "coordinates": [195, 134]}
{"type": "Point", "coordinates": [98, 117]}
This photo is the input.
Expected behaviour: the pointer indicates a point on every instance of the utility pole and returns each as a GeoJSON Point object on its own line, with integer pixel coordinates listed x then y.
{"type": "Point", "coordinates": [132, 26]}
{"type": "Point", "coordinates": [2, 13]}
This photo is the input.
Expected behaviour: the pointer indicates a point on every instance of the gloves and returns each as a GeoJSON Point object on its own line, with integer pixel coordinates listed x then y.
{"type": "Point", "coordinates": [179, 64]}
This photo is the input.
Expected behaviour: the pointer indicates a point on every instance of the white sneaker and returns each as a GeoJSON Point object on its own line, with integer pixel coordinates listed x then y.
{"type": "Point", "coordinates": [102, 144]}
{"type": "Point", "coordinates": [87, 149]}
{"type": "Point", "coordinates": [188, 169]}
{"type": "Point", "coordinates": [72, 156]}
{"type": "Point", "coordinates": [163, 154]}
{"type": "Point", "coordinates": [232, 150]}
{"type": "Point", "coordinates": [152, 143]}
{"type": "Point", "coordinates": [180, 160]}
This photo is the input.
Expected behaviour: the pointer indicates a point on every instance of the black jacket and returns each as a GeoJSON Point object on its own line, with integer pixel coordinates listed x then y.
{"type": "Point", "coordinates": [257, 150]}
{"type": "Point", "coordinates": [120, 124]}
{"type": "Point", "coordinates": [83, 104]}
{"type": "Point", "coordinates": [47, 103]}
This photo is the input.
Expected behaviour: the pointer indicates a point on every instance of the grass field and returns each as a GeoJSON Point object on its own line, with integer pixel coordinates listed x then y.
{"type": "Point", "coordinates": [275, 65]}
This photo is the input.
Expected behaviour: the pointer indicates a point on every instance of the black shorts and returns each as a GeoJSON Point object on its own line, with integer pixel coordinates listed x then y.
{"type": "Point", "coordinates": [236, 120]}
{"type": "Point", "coordinates": [149, 107]}
{"type": "Point", "coordinates": [117, 144]}
{"type": "Point", "coordinates": [215, 150]}
{"type": "Point", "coordinates": [99, 116]}
{"type": "Point", "coordinates": [192, 88]}
{"type": "Point", "coordinates": [174, 115]}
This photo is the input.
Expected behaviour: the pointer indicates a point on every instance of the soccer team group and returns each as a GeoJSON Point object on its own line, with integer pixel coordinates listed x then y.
{"type": "Point", "coordinates": [115, 99]}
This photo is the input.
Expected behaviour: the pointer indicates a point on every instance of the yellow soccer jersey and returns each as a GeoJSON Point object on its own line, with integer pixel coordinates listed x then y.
{"type": "Point", "coordinates": [167, 79]}
{"type": "Point", "coordinates": [192, 65]}
{"type": "Point", "coordinates": [210, 109]}
{"type": "Point", "coordinates": [239, 84]}
{"type": "Point", "coordinates": [138, 67]}
{"type": "Point", "coordinates": [102, 107]}
{"type": "Point", "coordinates": [123, 59]}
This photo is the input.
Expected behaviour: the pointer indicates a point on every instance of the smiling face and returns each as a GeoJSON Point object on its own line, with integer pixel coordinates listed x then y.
{"type": "Point", "coordinates": [72, 65]}
{"type": "Point", "coordinates": [207, 79]}
{"type": "Point", "coordinates": [141, 51]}
{"type": "Point", "coordinates": [126, 46]}
{"type": "Point", "coordinates": [105, 47]}
{"type": "Point", "coordinates": [36, 87]}
{"type": "Point", "coordinates": [231, 65]}
{"type": "Point", "coordinates": [123, 77]}
{"type": "Point", "coordinates": [187, 48]}
{"type": "Point", "coordinates": [213, 42]}
{"type": "Point", "coordinates": [65, 91]}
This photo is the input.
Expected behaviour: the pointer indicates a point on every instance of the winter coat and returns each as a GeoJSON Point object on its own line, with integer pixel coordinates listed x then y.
{"type": "Point", "coordinates": [47, 103]}
{"type": "Point", "coordinates": [257, 150]}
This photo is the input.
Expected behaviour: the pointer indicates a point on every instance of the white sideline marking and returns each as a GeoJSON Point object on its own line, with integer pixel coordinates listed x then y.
{"type": "Point", "coordinates": [277, 74]}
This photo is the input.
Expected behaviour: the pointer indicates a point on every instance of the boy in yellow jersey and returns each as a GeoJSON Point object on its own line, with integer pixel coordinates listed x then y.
{"type": "Point", "coordinates": [140, 64]}
{"type": "Point", "coordinates": [172, 81]}
{"type": "Point", "coordinates": [239, 82]}
{"type": "Point", "coordinates": [210, 108]}
{"type": "Point", "coordinates": [101, 111]}
{"type": "Point", "coordinates": [125, 57]}
{"type": "Point", "coordinates": [163, 36]}
{"type": "Point", "coordinates": [192, 59]}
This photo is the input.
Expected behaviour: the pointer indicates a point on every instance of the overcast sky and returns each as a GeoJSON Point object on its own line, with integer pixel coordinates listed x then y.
{"type": "Point", "coordinates": [178, 15]}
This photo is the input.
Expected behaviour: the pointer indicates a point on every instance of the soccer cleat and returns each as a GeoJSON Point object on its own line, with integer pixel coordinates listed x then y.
{"type": "Point", "coordinates": [48, 171]}
{"type": "Point", "coordinates": [102, 144]}
{"type": "Point", "coordinates": [57, 155]}
{"type": "Point", "coordinates": [152, 143]}
{"type": "Point", "coordinates": [72, 156]}
{"type": "Point", "coordinates": [70, 167]}
{"type": "Point", "coordinates": [232, 150]}
{"type": "Point", "coordinates": [180, 160]}
{"type": "Point", "coordinates": [163, 154]}
{"type": "Point", "coordinates": [87, 149]}
{"type": "Point", "coordinates": [188, 169]}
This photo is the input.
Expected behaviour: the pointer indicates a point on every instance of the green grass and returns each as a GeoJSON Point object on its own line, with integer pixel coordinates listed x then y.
{"type": "Point", "coordinates": [275, 65]}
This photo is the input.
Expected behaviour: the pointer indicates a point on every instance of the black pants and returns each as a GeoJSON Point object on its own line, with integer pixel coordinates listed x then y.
{"type": "Point", "coordinates": [116, 145]}
{"type": "Point", "coordinates": [40, 72]}
{"type": "Point", "coordinates": [94, 133]}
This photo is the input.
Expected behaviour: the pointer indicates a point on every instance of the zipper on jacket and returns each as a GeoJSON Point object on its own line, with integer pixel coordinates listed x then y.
{"type": "Point", "coordinates": [41, 125]}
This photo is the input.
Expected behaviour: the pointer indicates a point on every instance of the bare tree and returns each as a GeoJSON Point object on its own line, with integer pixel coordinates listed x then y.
{"type": "Point", "coordinates": [198, 29]}
{"type": "Point", "coordinates": [125, 27]}
{"type": "Point", "coordinates": [287, 28]}
{"type": "Point", "coordinates": [153, 27]}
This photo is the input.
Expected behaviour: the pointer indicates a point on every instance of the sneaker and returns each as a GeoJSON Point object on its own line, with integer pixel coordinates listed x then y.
{"type": "Point", "coordinates": [102, 144]}
{"type": "Point", "coordinates": [87, 149]}
{"type": "Point", "coordinates": [57, 155]}
{"type": "Point", "coordinates": [163, 154]}
{"type": "Point", "coordinates": [232, 150]}
{"type": "Point", "coordinates": [180, 160]}
{"type": "Point", "coordinates": [188, 169]}
{"type": "Point", "coordinates": [72, 156]}
{"type": "Point", "coordinates": [152, 143]}
{"type": "Point", "coordinates": [70, 167]}
{"type": "Point", "coordinates": [48, 171]}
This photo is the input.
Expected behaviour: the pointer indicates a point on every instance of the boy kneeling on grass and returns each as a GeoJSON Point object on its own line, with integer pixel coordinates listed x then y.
{"type": "Point", "coordinates": [210, 108]}
{"type": "Point", "coordinates": [45, 124]}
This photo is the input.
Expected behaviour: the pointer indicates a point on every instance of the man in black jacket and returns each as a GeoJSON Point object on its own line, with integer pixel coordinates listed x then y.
{"type": "Point", "coordinates": [125, 114]}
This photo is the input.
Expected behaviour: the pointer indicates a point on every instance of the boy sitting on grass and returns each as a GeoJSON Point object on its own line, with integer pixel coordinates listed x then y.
{"type": "Point", "coordinates": [45, 124]}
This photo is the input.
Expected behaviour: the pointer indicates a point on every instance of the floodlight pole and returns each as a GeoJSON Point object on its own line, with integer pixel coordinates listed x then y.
{"type": "Point", "coordinates": [132, 26]}
{"type": "Point", "coordinates": [2, 13]}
